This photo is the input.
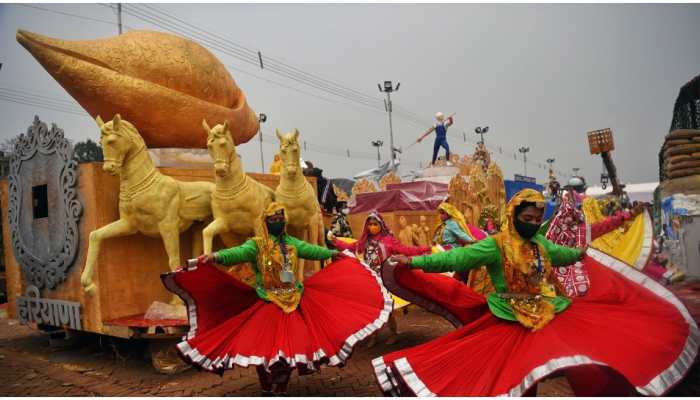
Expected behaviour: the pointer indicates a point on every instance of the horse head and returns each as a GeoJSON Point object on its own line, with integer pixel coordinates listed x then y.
{"type": "Point", "coordinates": [289, 151]}
{"type": "Point", "coordinates": [119, 140]}
{"type": "Point", "coordinates": [221, 147]}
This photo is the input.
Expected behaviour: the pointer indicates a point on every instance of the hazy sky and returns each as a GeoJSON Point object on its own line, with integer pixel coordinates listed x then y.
{"type": "Point", "coordinates": [539, 75]}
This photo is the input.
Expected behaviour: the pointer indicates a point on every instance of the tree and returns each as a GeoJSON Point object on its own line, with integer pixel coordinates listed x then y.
{"type": "Point", "coordinates": [7, 146]}
{"type": "Point", "coordinates": [87, 151]}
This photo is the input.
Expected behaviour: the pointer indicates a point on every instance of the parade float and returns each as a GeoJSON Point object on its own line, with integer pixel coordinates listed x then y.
{"type": "Point", "coordinates": [678, 196]}
{"type": "Point", "coordinates": [85, 244]}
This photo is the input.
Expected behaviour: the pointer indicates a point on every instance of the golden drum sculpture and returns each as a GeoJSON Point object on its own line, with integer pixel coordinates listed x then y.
{"type": "Point", "coordinates": [164, 84]}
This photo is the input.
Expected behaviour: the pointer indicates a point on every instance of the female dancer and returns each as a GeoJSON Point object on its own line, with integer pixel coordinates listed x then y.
{"type": "Point", "coordinates": [376, 244]}
{"type": "Point", "coordinates": [283, 322]}
{"type": "Point", "coordinates": [628, 330]}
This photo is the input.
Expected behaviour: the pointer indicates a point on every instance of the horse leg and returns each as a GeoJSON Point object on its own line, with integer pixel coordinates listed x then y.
{"type": "Point", "coordinates": [170, 234]}
{"type": "Point", "coordinates": [197, 239]}
{"type": "Point", "coordinates": [117, 228]}
{"type": "Point", "coordinates": [216, 227]}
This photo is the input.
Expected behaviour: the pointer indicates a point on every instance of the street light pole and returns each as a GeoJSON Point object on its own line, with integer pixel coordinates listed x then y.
{"type": "Point", "coordinates": [378, 144]}
{"type": "Point", "coordinates": [550, 162]}
{"type": "Point", "coordinates": [481, 131]}
{"type": "Point", "coordinates": [119, 17]}
{"type": "Point", "coordinates": [388, 88]}
{"type": "Point", "coordinates": [261, 119]}
{"type": "Point", "coordinates": [524, 150]}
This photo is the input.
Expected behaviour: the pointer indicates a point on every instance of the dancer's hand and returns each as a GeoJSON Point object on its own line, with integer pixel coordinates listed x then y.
{"type": "Point", "coordinates": [207, 259]}
{"type": "Point", "coordinates": [401, 259]}
{"type": "Point", "coordinates": [330, 236]}
{"type": "Point", "coordinates": [583, 252]}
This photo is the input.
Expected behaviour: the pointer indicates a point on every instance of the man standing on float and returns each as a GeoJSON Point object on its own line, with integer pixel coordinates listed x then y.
{"type": "Point", "coordinates": [441, 135]}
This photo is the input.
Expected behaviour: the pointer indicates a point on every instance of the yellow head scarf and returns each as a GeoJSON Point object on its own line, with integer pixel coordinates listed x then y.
{"type": "Point", "coordinates": [264, 243]}
{"type": "Point", "coordinates": [456, 215]}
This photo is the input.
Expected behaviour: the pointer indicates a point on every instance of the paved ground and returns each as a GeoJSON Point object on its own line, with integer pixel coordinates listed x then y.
{"type": "Point", "coordinates": [90, 366]}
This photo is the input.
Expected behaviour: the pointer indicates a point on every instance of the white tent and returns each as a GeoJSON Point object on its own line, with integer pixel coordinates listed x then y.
{"type": "Point", "coordinates": [635, 191]}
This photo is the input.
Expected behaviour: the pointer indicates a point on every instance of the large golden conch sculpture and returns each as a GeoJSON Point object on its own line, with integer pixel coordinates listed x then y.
{"type": "Point", "coordinates": [149, 202]}
{"type": "Point", "coordinates": [162, 83]}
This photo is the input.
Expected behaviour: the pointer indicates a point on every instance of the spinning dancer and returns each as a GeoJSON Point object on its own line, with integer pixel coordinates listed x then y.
{"type": "Point", "coordinates": [281, 323]}
{"type": "Point", "coordinates": [628, 333]}
{"type": "Point", "coordinates": [376, 244]}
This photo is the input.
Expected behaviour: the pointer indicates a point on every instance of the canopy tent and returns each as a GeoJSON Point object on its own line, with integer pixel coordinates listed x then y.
{"type": "Point", "coordinates": [409, 196]}
{"type": "Point", "coordinates": [636, 191]}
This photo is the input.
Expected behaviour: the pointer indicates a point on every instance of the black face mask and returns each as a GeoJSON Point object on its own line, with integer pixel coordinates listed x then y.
{"type": "Point", "coordinates": [526, 229]}
{"type": "Point", "coordinates": [275, 228]}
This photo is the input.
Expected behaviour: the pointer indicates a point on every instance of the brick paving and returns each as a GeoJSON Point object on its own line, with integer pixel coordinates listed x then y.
{"type": "Point", "coordinates": [90, 365]}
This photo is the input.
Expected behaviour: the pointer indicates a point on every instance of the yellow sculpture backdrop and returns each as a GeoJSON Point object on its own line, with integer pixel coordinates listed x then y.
{"type": "Point", "coordinates": [363, 186]}
{"type": "Point", "coordinates": [389, 178]}
{"type": "Point", "coordinates": [297, 195]}
{"type": "Point", "coordinates": [149, 202]}
{"type": "Point", "coordinates": [238, 201]}
{"type": "Point", "coordinates": [162, 83]}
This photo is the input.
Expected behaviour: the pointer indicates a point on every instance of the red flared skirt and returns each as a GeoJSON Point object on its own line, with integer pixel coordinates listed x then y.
{"type": "Point", "coordinates": [628, 327]}
{"type": "Point", "coordinates": [230, 325]}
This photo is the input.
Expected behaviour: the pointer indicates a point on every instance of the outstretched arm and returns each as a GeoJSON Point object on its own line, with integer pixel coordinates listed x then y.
{"type": "Point", "coordinates": [399, 248]}
{"type": "Point", "coordinates": [561, 255]}
{"type": "Point", "coordinates": [426, 133]}
{"type": "Point", "coordinates": [599, 229]}
{"type": "Point", "coordinates": [341, 245]}
{"type": "Point", "coordinates": [484, 252]}
{"type": "Point", "coordinates": [310, 251]}
{"type": "Point", "coordinates": [247, 252]}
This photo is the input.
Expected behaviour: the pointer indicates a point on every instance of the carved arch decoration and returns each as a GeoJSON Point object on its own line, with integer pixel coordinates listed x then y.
{"type": "Point", "coordinates": [38, 148]}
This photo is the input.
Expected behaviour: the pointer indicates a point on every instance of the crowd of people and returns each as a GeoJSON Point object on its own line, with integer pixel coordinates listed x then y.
{"type": "Point", "coordinates": [528, 300]}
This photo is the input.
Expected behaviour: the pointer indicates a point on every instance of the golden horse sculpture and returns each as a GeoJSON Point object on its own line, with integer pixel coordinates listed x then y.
{"type": "Point", "coordinates": [238, 201]}
{"type": "Point", "coordinates": [149, 202]}
{"type": "Point", "coordinates": [297, 195]}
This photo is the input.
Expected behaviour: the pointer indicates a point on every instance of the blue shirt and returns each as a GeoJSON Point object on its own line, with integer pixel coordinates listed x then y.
{"type": "Point", "coordinates": [454, 235]}
{"type": "Point", "coordinates": [441, 130]}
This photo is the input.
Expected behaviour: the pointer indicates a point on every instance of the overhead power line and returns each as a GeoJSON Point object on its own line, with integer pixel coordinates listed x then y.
{"type": "Point", "coordinates": [346, 95]}
{"type": "Point", "coordinates": [70, 15]}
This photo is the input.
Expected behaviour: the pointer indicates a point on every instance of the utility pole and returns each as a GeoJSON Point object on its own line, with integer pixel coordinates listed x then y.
{"type": "Point", "coordinates": [388, 88]}
{"type": "Point", "coordinates": [378, 144]}
{"type": "Point", "coordinates": [524, 150]}
{"type": "Point", "coordinates": [261, 119]}
{"type": "Point", "coordinates": [119, 17]}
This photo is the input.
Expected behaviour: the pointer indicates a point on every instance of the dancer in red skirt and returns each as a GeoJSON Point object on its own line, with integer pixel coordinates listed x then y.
{"type": "Point", "coordinates": [628, 333]}
{"type": "Point", "coordinates": [283, 322]}
{"type": "Point", "coordinates": [376, 244]}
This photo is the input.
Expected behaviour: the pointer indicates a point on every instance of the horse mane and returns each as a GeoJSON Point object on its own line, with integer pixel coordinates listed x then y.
{"type": "Point", "coordinates": [128, 130]}
{"type": "Point", "coordinates": [219, 133]}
